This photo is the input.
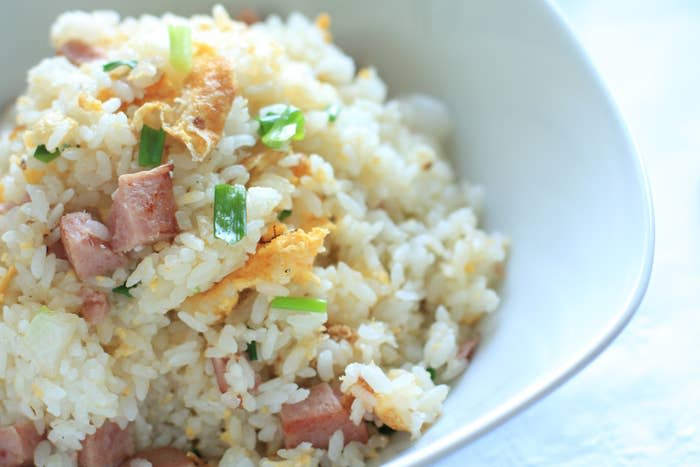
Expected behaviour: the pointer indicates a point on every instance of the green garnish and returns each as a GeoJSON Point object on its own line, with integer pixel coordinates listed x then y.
{"type": "Point", "coordinates": [44, 309]}
{"type": "Point", "coordinates": [180, 47]}
{"type": "Point", "coordinates": [117, 63]}
{"type": "Point", "coordinates": [285, 213]}
{"type": "Point", "coordinates": [124, 290]}
{"type": "Point", "coordinates": [312, 305]}
{"type": "Point", "coordinates": [386, 430]}
{"type": "Point", "coordinates": [432, 373]}
{"type": "Point", "coordinates": [151, 146]}
{"type": "Point", "coordinates": [333, 111]}
{"type": "Point", "coordinates": [229, 212]}
{"type": "Point", "coordinates": [44, 155]}
{"type": "Point", "coordinates": [252, 351]}
{"type": "Point", "coordinates": [280, 124]}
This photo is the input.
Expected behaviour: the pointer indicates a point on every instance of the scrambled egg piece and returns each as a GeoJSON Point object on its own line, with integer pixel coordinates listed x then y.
{"type": "Point", "coordinates": [385, 408]}
{"type": "Point", "coordinates": [122, 349]}
{"type": "Point", "coordinates": [5, 281]}
{"type": "Point", "coordinates": [323, 22]}
{"type": "Point", "coordinates": [289, 256]}
{"type": "Point", "coordinates": [89, 103]}
{"type": "Point", "coordinates": [386, 411]}
{"type": "Point", "coordinates": [46, 125]}
{"type": "Point", "coordinates": [342, 331]}
{"type": "Point", "coordinates": [273, 231]}
{"type": "Point", "coordinates": [16, 131]}
{"type": "Point", "coordinates": [198, 115]}
{"type": "Point", "coordinates": [33, 176]}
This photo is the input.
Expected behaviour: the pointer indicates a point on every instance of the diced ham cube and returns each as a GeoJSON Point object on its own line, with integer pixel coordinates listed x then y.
{"type": "Point", "coordinates": [86, 242]}
{"type": "Point", "coordinates": [255, 390]}
{"type": "Point", "coordinates": [95, 306]}
{"type": "Point", "coordinates": [219, 365]}
{"type": "Point", "coordinates": [58, 249]}
{"type": "Point", "coordinates": [6, 207]}
{"type": "Point", "coordinates": [17, 444]}
{"type": "Point", "coordinates": [144, 209]}
{"type": "Point", "coordinates": [248, 16]}
{"type": "Point", "coordinates": [78, 52]}
{"type": "Point", "coordinates": [466, 350]}
{"type": "Point", "coordinates": [109, 446]}
{"type": "Point", "coordinates": [162, 457]}
{"type": "Point", "coordinates": [317, 417]}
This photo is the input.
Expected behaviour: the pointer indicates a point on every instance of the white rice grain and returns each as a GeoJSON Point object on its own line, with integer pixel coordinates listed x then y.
{"type": "Point", "coordinates": [111, 105]}
{"type": "Point", "coordinates": [192, 322]}
{"type": "Point", "coordinates": [324, 365]}
{"type": "Point", "coordinates": [335, 445]}
{"type": "Point", "coordinates": [260, 307]}
{"type": "Point", "coordinates": [38, 261]}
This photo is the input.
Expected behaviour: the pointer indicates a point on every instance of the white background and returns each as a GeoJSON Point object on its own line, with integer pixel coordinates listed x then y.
{"type": "Point", "coordinates": [638, 404]}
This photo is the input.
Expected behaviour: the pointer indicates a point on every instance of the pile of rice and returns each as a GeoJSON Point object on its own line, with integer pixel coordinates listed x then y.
{"type": "Point", "coordinates": [404, 267]}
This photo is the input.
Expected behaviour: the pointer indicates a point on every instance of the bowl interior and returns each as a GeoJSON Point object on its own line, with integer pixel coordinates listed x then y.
{"type": "Point", "coordinates": [534, 126]}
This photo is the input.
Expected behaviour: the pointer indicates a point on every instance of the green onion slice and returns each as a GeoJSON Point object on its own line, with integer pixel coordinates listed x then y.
{"type": "Point", "coordinates": [229, 212]}
{"type": "Point", "coordinates": [280, 124]}
{"type": "Point", "coordinates": [312, 305]}
{"type": "Point", "coordinates": [386, 430]}
{"type": "Point", "coordinates": [252, 351]}
{"type": "Point", "coordinates": [124, 290]}
{"type": "Point", "coordinates": [151, 146]}
{"type": "Point", "coordinates": [285, 213]}
{"type": "Point", "coordinates": [333, 111]}
{"type": "Point", "coordinates": [44, 155]}
{"type": "Point", "coordinates": [180, 47]}
{"type": "Point", "coordinates": [117, 63]}
{"type": "Point", "coordinates": [432, 373]}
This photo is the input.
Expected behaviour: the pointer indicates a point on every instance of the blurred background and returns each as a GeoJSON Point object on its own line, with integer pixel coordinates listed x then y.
{"type": "Point", "coordinates": [638, 404]}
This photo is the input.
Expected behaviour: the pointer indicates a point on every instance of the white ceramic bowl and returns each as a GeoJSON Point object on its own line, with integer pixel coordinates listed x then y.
{"type": "Point", "coordinates": [535, 126]}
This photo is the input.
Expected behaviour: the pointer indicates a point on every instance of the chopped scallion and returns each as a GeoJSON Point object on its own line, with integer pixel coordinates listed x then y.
{"type": "Point", "coordinates": [180, 47]}
{"type": "Point", "coordinates": [252, 351]}
{"type": "Point", "coordinates": [312, 305]}
{"type": "Point", "coordinates": [285, 213]}
{"type": "Point", "coordinates": [432, 373]}
{"type": "Point", "coordinates": [124, 290]}
{"type": "Point", "coordinates": [333, 112]}
{"type": "Point", "coordinates": [280, 124]}
{"type": "Point", "coordinates": [117, 63]}
{"type": "Point", "coordinates": [151, 146]}
{"type": "Point", "coordinates": [386, 430]}
{"type": "Point", "coordinates": [44, 155]}
{"type": "Point", "coordinates": [229, 212]}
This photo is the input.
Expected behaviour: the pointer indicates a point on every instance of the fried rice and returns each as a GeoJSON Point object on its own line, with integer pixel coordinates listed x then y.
{"type": "Point", "coordinates": [176, 343]}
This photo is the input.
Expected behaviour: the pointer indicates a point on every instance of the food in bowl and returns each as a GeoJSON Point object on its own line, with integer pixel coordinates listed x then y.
{"type": "Point", "coordinates": [222, 244]}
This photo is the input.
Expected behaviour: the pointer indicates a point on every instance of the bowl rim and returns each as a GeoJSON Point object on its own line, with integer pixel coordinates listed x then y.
{"type": "Point", "coordinates": [561, 374]}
